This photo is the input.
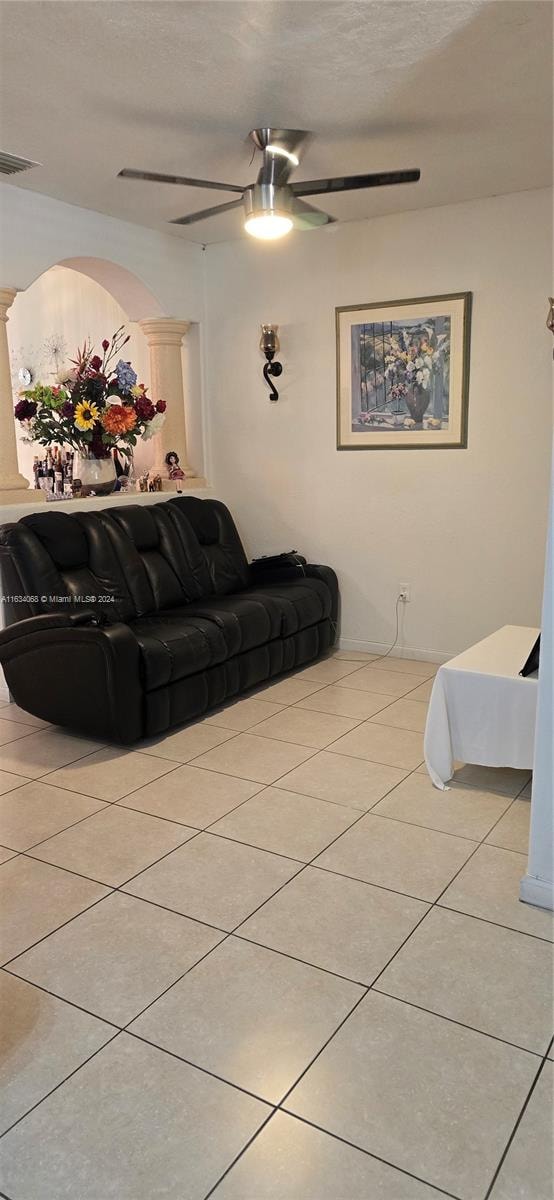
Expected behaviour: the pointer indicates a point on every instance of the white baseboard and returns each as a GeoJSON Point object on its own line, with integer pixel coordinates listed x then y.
{"type": "Point", "coordinates": [533, 890]}
{"type": "Point", "coordinates": [434, 656]}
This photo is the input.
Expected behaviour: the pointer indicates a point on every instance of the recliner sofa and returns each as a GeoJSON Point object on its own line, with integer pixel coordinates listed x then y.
{"type": "Point", "coordinates": [124, 622]}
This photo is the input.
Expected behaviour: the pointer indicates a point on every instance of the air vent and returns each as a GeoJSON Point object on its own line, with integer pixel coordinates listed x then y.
{"type": "Point", "coordinates": [10, 164]}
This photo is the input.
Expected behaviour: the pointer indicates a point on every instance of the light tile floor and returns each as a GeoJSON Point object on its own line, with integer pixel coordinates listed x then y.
{"type": "Point", "coordinates": [262, 958]}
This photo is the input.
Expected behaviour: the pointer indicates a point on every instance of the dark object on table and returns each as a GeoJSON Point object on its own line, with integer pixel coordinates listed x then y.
{"type": "Point", "coordinates": [531, 663]}
{"type": "Point", "coordinates": [141, 617]}
{"type": "Point", "coordinates": [289, 565]}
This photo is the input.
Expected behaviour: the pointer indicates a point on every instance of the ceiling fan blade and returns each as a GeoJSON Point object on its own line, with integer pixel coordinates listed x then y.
{"type": "Point", "coordinates": [349, 183]}
{"type": "Point", "coordinates": [305, 216]}
{"type": "Point", "coordinates": [157, 177]}
{"type": "Point", "coordinates": [191, 218]}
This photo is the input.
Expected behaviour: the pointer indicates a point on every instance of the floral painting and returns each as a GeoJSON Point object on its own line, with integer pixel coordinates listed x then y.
{"type": "Point", "coordinates": [402, 373]}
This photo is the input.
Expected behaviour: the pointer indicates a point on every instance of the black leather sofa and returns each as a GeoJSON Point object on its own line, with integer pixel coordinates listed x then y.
{"type": "Point", "coordinates": [124, 622]}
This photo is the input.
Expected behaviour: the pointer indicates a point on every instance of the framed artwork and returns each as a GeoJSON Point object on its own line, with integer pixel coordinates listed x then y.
{"type": "Point", "coordinates": [403, 374]}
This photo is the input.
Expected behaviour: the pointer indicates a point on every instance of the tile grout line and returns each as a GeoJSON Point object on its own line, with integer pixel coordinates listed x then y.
{"type": "Point", "coordinates": [338, 1138]}
{"type": "Point", "coordinates": [227, 934]}
{"type": "Point", "coordinates": [106, 804]}
{"type": "Point", "coordinates": [59, 1085]}
{"type": "Point", "coordinates": [56, 996]}
{"type": "Point", "coordinates": [230, 933]}
{"type": "Point", "coordinates": [309, 863]}
{"type": "Point", "coordinates": [362, 997]}
{"type": "Point", "coordinates": [207, 829]}
{"type": "Point", "coordinates": [512, 1136]}
{"type": "Point", "coordinates": [30, 730]}
{"type": "Point", "coordinates": [237, 1087]}
{"type": "Point", "coordinates": [262, 788]}
{"type": "Point", "coordinates": [239, 1155]}
{"type": "Point", "coordinates": [51, 770]}
{"type": "Point", "coordinates": [308, 965]}
{"type": "Point", "coordinates": [98, 900]}
{"type": "Point", "coordinates": [365, 992]}
{"type": "Point", "coordinates": [452, 1020]}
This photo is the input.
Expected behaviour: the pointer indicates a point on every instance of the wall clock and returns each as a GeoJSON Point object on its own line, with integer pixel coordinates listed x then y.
{"type": "Point", "coordinates": [25, 376]}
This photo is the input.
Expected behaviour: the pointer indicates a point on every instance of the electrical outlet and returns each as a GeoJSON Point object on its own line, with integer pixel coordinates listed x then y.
{"type": "Point", "coordinates": [404, 593]}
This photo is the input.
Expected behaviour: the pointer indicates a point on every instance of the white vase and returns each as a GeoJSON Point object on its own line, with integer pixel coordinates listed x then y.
{"type": "Point", "coordinates": [97, 475]}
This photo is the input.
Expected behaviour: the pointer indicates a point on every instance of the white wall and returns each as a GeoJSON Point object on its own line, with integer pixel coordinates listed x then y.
{"type": "Point", "coordinates": [537, 885]}
{"type": "Point", "coordinates": [37, 232]}
{"type": "Point", "coordinates": [465, 528]}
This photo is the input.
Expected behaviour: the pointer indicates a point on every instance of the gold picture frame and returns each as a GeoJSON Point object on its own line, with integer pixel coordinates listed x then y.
{"type": "Point", "coordinates": [403, 373]}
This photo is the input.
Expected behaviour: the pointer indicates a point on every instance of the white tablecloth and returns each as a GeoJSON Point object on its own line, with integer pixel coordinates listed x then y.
{"type": "Point", "coordinates": [481, 710]}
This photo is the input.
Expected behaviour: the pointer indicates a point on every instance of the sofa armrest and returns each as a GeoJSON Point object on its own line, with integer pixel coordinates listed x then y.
{"type": "Point", "coordinates": [294, 567]}
{"type": "Point", "coordinates": [328, 576]}
{"type": "Point", "coordinates": [75, 673]}
{"type": "Point", "coordinates": [43, 622]}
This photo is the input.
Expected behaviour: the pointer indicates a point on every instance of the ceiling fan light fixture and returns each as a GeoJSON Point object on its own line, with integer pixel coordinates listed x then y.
{"type": "Point", "coordinates": [268, 225]}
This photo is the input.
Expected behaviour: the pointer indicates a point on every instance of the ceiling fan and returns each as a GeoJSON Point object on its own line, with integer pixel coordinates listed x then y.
{"type": "Point", "coordinates": [272, 205]}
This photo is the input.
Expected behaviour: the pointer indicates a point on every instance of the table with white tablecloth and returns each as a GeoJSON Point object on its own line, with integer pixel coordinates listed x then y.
{"type": "Point", "coordinates": [481, 709]}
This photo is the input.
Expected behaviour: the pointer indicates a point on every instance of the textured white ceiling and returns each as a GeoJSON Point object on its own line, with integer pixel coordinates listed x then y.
{"type": "Point", "coordinates": [459, 88]}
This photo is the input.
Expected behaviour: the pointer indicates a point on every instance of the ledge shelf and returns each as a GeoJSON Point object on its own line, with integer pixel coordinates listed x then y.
{"type": "Point", "coordinates": [13, 512]}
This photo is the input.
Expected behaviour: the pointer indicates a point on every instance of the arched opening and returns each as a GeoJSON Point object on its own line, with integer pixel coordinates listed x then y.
{"type": "Point", "coordinates": [136, 300]}
{"type": "Point", "coordinates": [77, 300]}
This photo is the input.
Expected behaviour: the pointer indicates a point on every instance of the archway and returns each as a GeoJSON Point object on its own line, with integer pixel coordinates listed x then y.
{"type": "Point", "coordinates": [134, 297]}
{"type": "Point", "coordinates": [57, 307]}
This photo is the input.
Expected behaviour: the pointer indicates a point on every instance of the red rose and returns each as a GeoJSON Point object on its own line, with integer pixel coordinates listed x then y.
{"type": "Point", "coordinates": [161, 406]}
{"type": "Point", "coordinates": [144, 408]}
{"type": "Point", "coordinates": [105, 345]}
{"type": "Point", "coordinates": [96, 363]}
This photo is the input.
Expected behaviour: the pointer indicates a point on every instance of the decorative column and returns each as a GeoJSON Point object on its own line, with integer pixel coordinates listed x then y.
{"type": "Point", "coordinates": [14, 488]}
{"type": "Point", "coordinates": [165, 338]}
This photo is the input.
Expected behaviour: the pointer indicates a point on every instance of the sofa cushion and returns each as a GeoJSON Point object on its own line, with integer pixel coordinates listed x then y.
{"type": "Point", "coordinates": [173, 647]}
{"type": "Point", "coordinates": [181, 641]}
{"type": "Point", "coordinates": [299, 602]}
{"type": "Point", "coordinates": [244, 621]}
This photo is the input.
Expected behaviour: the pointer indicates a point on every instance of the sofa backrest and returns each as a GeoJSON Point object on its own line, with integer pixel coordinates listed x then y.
{"type": "Point", "coordinates": [217, 538]}
{"type": "Point", "coordinates": [122, 562]}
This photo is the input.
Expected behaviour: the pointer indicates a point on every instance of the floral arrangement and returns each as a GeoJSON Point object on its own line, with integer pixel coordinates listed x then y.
{"type": "Point", "coordinates": [412, 358]}
{"type": "Point", "coordinates": [98, 407]}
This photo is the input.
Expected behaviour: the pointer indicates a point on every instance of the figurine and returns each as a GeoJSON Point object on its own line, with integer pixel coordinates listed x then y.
{"type": "Point", "coordinates": [174, 471]}
{"type": "Point", "coordinates": [172, 463]}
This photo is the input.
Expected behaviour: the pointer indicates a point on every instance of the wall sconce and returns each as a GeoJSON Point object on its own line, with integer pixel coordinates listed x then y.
{"type": "Point", "coordinates": [550, 317]}
{"type": "Point", "coordinates": [270, 346]}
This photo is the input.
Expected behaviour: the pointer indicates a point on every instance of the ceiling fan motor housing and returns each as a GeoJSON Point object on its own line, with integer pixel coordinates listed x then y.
{"type": "Point", "coordinates": [267, 198]}
{"type": "Point", "coordinates": [280, 149]}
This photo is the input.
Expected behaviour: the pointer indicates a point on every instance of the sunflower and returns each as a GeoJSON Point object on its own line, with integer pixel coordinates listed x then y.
{"type": "Point", "coordinates": [85, 415]}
